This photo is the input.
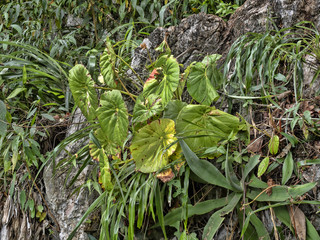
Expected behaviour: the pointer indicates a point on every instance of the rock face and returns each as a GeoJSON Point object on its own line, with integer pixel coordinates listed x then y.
{"type": "Point", "coordinates": [68, 208]}
{"type": "Point", "coordinates": [203, 34]}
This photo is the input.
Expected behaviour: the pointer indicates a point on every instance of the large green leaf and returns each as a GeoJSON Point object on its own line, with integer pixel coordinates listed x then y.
{"type": "Point", "coordinates": [83, 91]}
{"type": "Point", "coordinates": [166, 81]}
{"type": "Point", "coordinates": [146, 108]}
{"type": "Point", "coordinates": [3, 121]}
{"type": "Point", "coordinates": [173, 109]}
{"type": "Point", "coordinates": [107, 65]}
{"type": "Point", "coordinates": [202, 80]}
{"type": "Point", "coordinates": [203, 168]}
{"type": "Point", "coordinates": [113, 117]}
{"type": "Point", "coordinates": [205, 126]}
{"type": "Point", "coordinates": [150, 146]}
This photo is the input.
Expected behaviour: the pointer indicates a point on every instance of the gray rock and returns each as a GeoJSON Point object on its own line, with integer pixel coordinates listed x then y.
{"type": "Point", "coordinates": [68, 208]}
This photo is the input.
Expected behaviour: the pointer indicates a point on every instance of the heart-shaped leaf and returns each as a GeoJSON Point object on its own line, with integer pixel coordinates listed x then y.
{"type": "Point", "coordinates": [203, 126]}
{"type": "Point", "coordinates": [83, 91]}
{"type": "Point", "coordinates": [113, 117]}
{"type": "Point", "coordinates": [203, 79]}
{"type": "Point", "coordinates": [166, 81]}
{"type": "Point", "coordinates": [150, 146]}
{"type": "Point", "coordinates": [173, 109]}
{"type": "Point", "coordinates": [146, 108]}
{"type": "Point", "coordinates": [108, 146]}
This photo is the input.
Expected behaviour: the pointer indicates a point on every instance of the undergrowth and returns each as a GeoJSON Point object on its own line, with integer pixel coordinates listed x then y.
{"type": "Point", "coordinates": [149, 158]}
{"type": "Point", "coordinates": [166, 162]}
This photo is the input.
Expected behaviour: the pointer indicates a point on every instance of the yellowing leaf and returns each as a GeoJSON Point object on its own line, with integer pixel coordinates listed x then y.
{"type": "Point", "coordinates": [150, 146]}
{"type": "Point", "coordinates": [105, 174]}
{"type": "Point", "coordinates": [274, 144]}
{"type": "Point", "coordinates": [263, 166]}
{"type": "Point", "coordinates": [108, 146]}
{"type": "Point", "coordinates": [146, 108]}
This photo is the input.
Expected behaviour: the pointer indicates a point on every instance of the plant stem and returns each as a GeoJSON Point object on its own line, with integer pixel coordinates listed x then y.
{"type": "Point", "coordinates": [135, 73]}
{"type": "Point", "coordinates": [123, 92]}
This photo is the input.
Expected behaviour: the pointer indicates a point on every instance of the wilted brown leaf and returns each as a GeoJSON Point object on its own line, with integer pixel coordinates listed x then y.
{"type": "Point", "coordinates": [270, 183]}
{"type": "Point", "coordinates": [166, 175]}
{"type": "Point", "coordinates": [283, 95]}
{"type": "Point", "coordinates": [284, 151]}
{"type": "Point", "coordinates": [298, 220]}
{"type": "Point", "coordinates": [255, 145]}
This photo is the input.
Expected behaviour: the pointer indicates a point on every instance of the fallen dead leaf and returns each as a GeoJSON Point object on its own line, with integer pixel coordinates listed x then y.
{"type": "Point", "coordinates": [285, 151]}
{"type": "Point", "coordinates": [270, 183]}
{"type": "Point", "coordinates": [166, 175]}
{"type": "Point", "coordinates": [255, 145]}
{"type": "Point", "coordinates": [298, 220]}
{"type": "Point", "coordinates": [283, 95]}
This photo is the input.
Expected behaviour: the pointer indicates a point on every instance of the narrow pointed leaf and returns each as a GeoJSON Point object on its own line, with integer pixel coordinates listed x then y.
{"type": "Point", "coordinates": [203, 168]}
{"type": "Point", "coordinates": [231, 176]}
{"type": "Point", "coordinates": [298, 190]}
{"type": "Point", "coordinates": [217, 218]}
{"type": "Point", "coordinates": [3, 121]}
{"type": "Point", "coordinates": [258, 225]}
{"type": "Point", "coordinates": [281, 193]}
{"type": "Point", "coordinates": [253, 161]}
{"type": "Point", "coordinates": [198, 209]}
{"type": "Point", "coordinates": [287, 168]}
{"type": "Point", "coordinates": [15, 92]}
